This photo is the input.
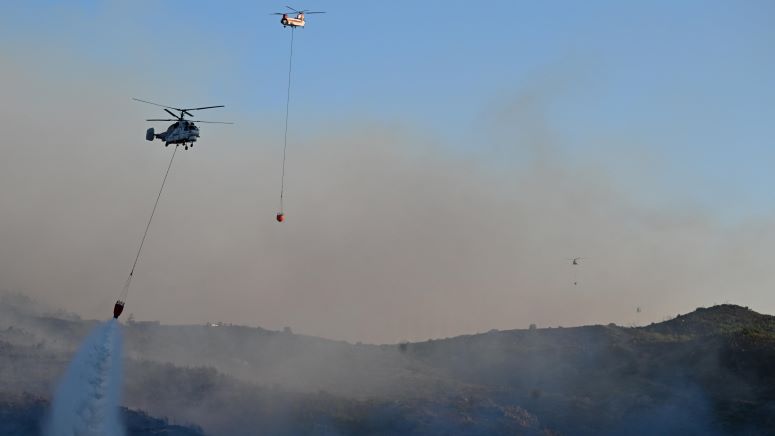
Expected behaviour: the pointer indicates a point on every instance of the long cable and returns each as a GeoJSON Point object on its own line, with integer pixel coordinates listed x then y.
{"type": "Point", "coordinates": [287, 111]}
{"type": "Point", "coordinates": [125, 291]}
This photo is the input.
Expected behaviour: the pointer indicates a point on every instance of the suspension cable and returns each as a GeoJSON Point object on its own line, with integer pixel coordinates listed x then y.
{"type": "Point", "coordinates": [125, 291]}
{"type": "Point", "coordinates": [287, 112]}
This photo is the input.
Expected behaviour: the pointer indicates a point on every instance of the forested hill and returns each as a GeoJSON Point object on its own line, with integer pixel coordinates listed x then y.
{"type": "Point", "coordinates": [706, 372]}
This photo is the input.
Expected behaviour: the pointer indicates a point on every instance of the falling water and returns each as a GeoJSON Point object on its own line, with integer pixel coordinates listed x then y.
{"type": "Point", "coordinates": [86, 402]}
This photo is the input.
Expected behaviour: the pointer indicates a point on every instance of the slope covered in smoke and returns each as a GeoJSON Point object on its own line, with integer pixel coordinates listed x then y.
{"type": "Point", "coordinates": [22, 415]}
{"type": "Point", "coordinates": [706, 372]}
{"type": "Point", "coordinates": [715, 379]}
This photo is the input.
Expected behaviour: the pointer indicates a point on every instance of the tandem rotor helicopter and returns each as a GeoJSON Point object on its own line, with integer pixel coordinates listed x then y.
{"type": "Point", "coordinates": [182, 131]}
{"type": "Point", "coordinates": [295, 22]}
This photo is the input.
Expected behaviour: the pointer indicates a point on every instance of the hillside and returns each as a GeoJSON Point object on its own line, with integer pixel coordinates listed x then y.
{"type": "Point", "coordinates": [24, 415]}
{"type": "Point", "coordinates": [722, 319]}
{"type": "Point", "coordinates": [706, 372]}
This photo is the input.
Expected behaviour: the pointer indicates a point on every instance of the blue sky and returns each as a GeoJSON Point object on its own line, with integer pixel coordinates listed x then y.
{"type": "Point", "coordinates": [692, 81]}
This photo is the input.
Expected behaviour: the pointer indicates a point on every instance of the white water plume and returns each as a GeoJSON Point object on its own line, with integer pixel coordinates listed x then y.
{"type": "Point", "coordinates": [86, 402]}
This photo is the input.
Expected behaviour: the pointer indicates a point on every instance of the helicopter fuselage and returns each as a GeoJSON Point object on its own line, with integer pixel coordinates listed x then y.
{"type": "Point", "coordinates": [181, 132]}
{"type": "Point", "coordinates": [287, 20]}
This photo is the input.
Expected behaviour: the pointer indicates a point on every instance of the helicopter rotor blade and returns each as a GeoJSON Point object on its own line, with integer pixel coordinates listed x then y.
{"type": "Point", "coordinates": [278, 13]}
{"type": "Point", "coordinates": [177, 108]}
{"type": "Point", "coordinates": [294, 10]}
{"type": "Point", "coordinates": [156, 104]}
{"type": "Point", "coordinates": [211, 122]}
{"type": "Point", "coordinates": [313, 12]}
{"type": "Point", "coordinates": [156, 119]}
{"type": "Point", "coordinates": [170, 112]}
{"type": "Point", "coordinates": [200, 108]}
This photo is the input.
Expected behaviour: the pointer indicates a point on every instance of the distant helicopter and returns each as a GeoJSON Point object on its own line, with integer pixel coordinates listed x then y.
{"type": "Point", "coordinates": [182, 131]}
{"type": "Point", "coordinates": [294, 22]}
{"type": "Point", "coordinates": [575, 260]}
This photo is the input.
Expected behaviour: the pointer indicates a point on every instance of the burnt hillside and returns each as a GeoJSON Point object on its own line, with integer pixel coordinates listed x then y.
{"type": "Point", "coordinates": [705, 372]}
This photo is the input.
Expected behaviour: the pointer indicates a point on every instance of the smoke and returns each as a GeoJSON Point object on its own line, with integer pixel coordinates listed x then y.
{"type": "Point", "coordinates": [87, 400]}
{"type": "Point", "coordinates": [392, 233]}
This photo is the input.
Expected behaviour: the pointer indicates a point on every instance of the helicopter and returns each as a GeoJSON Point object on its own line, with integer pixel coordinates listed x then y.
{"type": "Point", "coordinates": [182, 131]}
{"type": "Point", "coordinates": [575, 260]}
{"type": "Point", "coordinates": [295, 22]}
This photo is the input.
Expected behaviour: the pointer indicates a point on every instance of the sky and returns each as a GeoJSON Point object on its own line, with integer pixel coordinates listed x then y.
{"type": "Point", "coordinates": [443, 164]}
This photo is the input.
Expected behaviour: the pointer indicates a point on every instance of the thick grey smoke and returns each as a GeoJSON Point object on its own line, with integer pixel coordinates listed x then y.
{"type": "Point", "coordinates": [391, 232]}
{"type": "Point", "coordinates": [86, 402]}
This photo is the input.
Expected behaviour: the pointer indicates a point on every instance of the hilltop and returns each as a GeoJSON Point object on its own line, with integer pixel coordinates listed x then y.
{"type": "Point", "coordinates": [721, 319]}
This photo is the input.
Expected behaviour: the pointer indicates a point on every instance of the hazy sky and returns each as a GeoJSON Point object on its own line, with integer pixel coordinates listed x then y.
{"type": "Point", "coordinates": [443, 162]}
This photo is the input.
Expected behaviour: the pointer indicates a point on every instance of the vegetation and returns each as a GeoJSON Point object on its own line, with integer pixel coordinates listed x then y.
{"type": "Point", "coordinates": [706, 372]}
{"type": "Point", "coordinates": [23, 415]}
